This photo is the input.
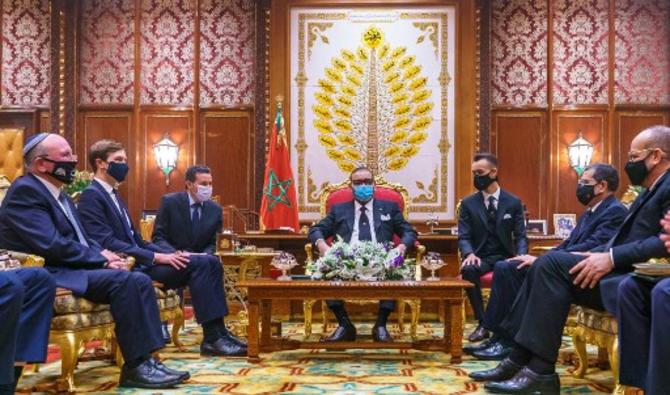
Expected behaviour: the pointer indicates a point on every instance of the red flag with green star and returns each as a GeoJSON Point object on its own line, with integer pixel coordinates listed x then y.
{"type": "Point", "coordinates": [279, 207]}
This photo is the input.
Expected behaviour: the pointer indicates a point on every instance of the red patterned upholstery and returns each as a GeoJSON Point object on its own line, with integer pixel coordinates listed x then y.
{"type": "Point", "coordinates": [382, 193]}
{"type": "Point", "coordinates": [486, 279]}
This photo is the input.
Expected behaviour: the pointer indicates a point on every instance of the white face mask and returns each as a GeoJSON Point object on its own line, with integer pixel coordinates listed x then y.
{"type": "Point", "coordinates": [204, 193]}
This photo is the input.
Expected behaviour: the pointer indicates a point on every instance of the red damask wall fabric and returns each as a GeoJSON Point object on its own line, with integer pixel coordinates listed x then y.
{"type": "Point", "coordinates": [642, 59]}
{"type": "Point", "coordinates": [519, 52]}
{"type": "Point", "coordinates": [581, 34]}
{"type": "Point", "coordinates": [25, 53]}
{"type": "Point", "coordinates": [227, 51]}
{"type": "Point", "coordinates": [107, 51]}
{"type": "Point", "coordinates": [167, 51]}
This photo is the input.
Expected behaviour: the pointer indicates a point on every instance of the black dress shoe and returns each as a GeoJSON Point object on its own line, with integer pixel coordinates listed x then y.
{"type": "Point", "coordinates": [497, 351]}
{"type": "Point", "coordinates": [166, 333]}
{"type": "Point", "coordinates": [182, 374]}
{"type": "Point", "coordinates": [235, 340]}
{"type": "Point", "coordinates": [470, 348]}
{"type": "Point", "coordinates": [223, 347]}
{"type": "Point", "coordinates": [479, 334]}
{"type": "Point", "coordinates": [527, 382]}
{"type": "Point", "coordinates": [147, 375]}
{"type": "Point", "coordinates": [341, 334]}
{"type": "Point", "coordinates": [505, 370]}
{"type": "Point", "coordinates": [381, 334]}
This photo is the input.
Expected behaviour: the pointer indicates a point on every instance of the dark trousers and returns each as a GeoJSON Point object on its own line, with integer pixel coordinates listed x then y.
{"type": "Point", "coordinates": [133, 305]}
{"type": "Point", "coordinates": [26, 307]}
{"type": "Point", "coordinates": [472, 273]}
{"type": "Point", "coordinates": [643, 311]}
{"type": "Point", "coordinates": [507, 281]}
{"type": "Point", "coordinates": [383, 304]}
{"type": "Point", "coordinates": [542, 306]}
{"type": "Point", "coordinates": [204, 277]}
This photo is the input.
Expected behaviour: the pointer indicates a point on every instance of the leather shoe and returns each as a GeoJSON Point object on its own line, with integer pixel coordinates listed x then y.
{"type": "Point", "coordinates": [497, 351]}
{"type": "Point", "coordinates": [470, 348]}
{"type": "Point", "coordinates": [223, 347]}
{"type": "Point", "coordinates": [235, 340]}
{"type": "Point", "coordinates": [505, 370]}
{"type": "Point", "coordinates": [341, 334]}
{"type": "Point", "coordinates": [381, 334]}
{"type": "Point", "coordinates": [479, 334]}
{"type": "Point", "coordinates": [182, 374]}
{"type": "Point", "coordinates": [166, 333]}
{"type": "Point", "coordinates": [147, 375]}
{"type": "Point", "coordinates": [527, 382]}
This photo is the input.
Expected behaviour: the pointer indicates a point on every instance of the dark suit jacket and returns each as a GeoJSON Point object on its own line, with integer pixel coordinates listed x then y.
{"type": "Point", "coordinates": [597, 228]}
{"type": "Point", "coordinates": [340, 221]}
{"type": "Point", "coordinates": [32, 221]}
{"type": "Point", "coordinates": [473, 225]}
{"type": "Point", "coordinates": [105, 224]}
{"type": "Point", "coordinates": [173, 228]}
{"type": "Point", "coordinates": [637, 239]}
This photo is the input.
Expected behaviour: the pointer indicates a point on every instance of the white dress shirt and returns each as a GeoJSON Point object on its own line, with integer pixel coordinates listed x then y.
{"type": "Point", "coordinates": [357, 215]}
{"type": "Point", "coordinates": [55, 192]}
{"type": "Point", "coordinates": [496, 197]}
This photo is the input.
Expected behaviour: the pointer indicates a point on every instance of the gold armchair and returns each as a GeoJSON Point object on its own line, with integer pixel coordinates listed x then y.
{"type": "Point", "coordinates": [337, 193]}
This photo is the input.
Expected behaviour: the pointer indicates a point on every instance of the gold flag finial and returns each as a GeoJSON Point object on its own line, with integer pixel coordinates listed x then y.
{"type": "Point", "coordinates": [280, 101]}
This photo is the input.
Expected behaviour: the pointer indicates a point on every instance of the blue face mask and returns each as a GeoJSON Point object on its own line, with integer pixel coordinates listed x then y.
{"type": "Point", "coordinates": [363, 193]}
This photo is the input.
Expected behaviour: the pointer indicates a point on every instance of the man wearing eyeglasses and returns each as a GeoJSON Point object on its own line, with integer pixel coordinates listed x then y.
{"type": "Point", "coordinates": [363, 219]}
{"type": "Point", "coordinates": [559, 279]}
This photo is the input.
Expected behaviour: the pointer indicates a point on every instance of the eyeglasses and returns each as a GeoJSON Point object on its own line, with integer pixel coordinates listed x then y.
{"type": "Point", "coordinates": [632, 155]}
{"type": "Point", "coordinates": [367, 181]}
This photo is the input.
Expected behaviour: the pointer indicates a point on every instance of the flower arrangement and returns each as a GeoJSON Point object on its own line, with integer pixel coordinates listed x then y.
{"type": "Point", "coordinates": [82, 179]}
{"type": "Point", "coordinates": [363, 261]}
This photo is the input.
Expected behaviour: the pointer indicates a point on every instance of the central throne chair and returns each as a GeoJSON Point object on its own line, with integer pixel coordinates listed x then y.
{"type": "Point", "coordinates": [340, 193]}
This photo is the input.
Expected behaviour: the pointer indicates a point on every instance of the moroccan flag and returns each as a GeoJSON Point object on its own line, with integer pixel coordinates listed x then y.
{"type": "Point", "coordinates": [279, 207]}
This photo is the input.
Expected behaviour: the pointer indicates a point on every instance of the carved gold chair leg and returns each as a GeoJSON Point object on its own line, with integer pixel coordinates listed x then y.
{"type": "Point", "coordinates": [613, 355]}
{"type": "Point", "coordinates": [177, 324]}
{"type": "Point", "coordinates": [307, 306]}
{"type": "Point", "coordinates": [415, 305]}
{"type": "Point", "coordinates": [324, 318]}
{"type": "Point", "coordinates": [68, 342]}
{"type": "Point", "coordinates": [401, 315]}
{"type": "Point", "coordinates": [580, 348]}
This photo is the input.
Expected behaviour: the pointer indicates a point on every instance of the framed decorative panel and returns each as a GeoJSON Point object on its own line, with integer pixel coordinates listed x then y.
{"type": "Point", "coordinates": [25, 53]}
{"type": "Point", "coordinates": [107, 52]}
{"type": "Point", "coordinates": [227, 51]}
{"type": "Point", "coordinates": [642, 52]}
{"type": "Point", "coordinates": [580, 54]}
{"type": "Point", "coordinates": [519, 53]}
{"type": "Point", "coordinates": [167, 51]}
{"type": "Point", "coordinates": [374, 88]}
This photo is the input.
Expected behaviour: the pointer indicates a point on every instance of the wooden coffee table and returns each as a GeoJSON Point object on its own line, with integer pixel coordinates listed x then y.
{"type": "Point", "coordinates": [262, 292]}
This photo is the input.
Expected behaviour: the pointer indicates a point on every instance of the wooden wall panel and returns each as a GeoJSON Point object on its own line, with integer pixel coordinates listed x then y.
{"type": "Point", "coordinates": [227, 147]}
{"type": "Point", "coordinates": [519, 140]}
{"type": "Point", "coordinates": [627, 125]}
{"type": "Point", "coordinates": [568, 124]}
{"type": "Point", "coordinates": [26, 119]}
{"type": "Point", "coordinates": [154, 125]}
{"type": "Point", "coordinates": [98, 125]}
{"type": "Point", "coordinates": [44, 121]}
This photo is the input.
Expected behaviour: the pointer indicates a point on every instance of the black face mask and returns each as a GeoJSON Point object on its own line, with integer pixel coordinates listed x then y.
{"type": "Point", "coordinates": [637, 171]}
{"type": "Point", "coordinates": [585, 193]}
{"type": "Point", "coordinates": [482, 182]}
{"type": "Point", "coordinates": [118, 170]}
{"type": "Point", "coordinates": [63, 171]}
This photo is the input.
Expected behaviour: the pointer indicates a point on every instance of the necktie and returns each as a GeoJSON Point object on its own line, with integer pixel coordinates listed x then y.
{"type": "Point", "coordinates": [195, 217]}
{"type": "Point", "coordinates": [492, 210]}
{"type": "Point", "coordinates": [122, 212]}
{"type": "Point", "coordinates": [364, 226]}
{"type": "Point", "coordinates": [72, 219]}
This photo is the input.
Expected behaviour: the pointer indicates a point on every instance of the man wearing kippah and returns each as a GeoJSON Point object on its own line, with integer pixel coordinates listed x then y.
{"type": "Point", "coordinates": [37, 217]}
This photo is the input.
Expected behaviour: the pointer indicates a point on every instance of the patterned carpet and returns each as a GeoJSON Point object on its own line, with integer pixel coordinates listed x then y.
{"type": "Point", "coordinates": [311, 371]}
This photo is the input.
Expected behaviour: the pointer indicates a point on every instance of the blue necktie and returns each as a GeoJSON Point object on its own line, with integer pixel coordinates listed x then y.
{"type": "Point", "coordinates": [70, 216]}
{"type": "Point", "coordinates": [195, 218]}
{"type": "Point", "coordinates": [492, 210]}
{"type": "Point", "coordinates": [364, 233]}
{"type": "Point", "coordinates": [124, 216]}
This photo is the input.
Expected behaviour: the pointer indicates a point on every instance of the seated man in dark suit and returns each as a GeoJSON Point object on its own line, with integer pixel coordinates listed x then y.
{"type": "Point", "coordinates": [643, 317]}
{"type": "Point", "coordinates": [36, 217]}
{"type": "Point", "coordinates": [602, 218]}
{"type": "Point", "coordinates": [106, 218]}
{"type": "Point", "coordinates": [351, 221]}
{"type": "Point", "coordinates": [491, 228]}
{"type": "Point", "coordinates": [26, 306]}
{"type": "Point", "coordinates": [558, 279]}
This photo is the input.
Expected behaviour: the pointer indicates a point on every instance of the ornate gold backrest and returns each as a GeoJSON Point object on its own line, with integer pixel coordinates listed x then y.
{"type": "Point", "coordinates": [379, 182]}
{"type": "Point", "coordinates": [147, 227]}
{"type": "Point", "coordinates": [630, 195]}
{"type": "Point", "coordinates": [11, 153]}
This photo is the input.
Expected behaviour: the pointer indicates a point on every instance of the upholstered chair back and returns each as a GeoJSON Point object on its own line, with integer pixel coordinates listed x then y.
{"type": "Point", "coordinates": [11, 153]}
